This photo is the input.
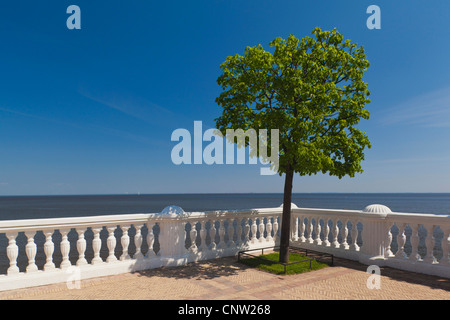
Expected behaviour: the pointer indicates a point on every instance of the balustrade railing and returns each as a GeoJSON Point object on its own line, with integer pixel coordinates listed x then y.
{"type": "Point", "coordinates": [43, 251]}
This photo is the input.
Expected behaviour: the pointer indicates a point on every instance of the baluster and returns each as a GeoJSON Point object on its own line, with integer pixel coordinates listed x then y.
{"type": "Point", "coordinates": [246, 230]}
{"type": "Point", "coordinates": [261, 229]}
{"type": "Point", "coordinates": [111, 244]}
{"type": "Point", "coordinates": [125, 242]}
{"type": "Point", "coordinates": [354, 246]}
{"type": "Point", "coordinates": [138, 243]}
{"type": "Point", "coordinates": [295, 233]}
{"type": "Point", "coordinates": [414, 243]}
{"type": "Point", "coordinates": [336, 234]}
{"type": "Point", "coordinates": [400, 254]}
{"type": "Point", "coordinates": [65, 249]}
{"type": "Point", "coordinates": [212, 234]}
{"type": "Point", "coordinates": [310, 228]}
{"type": "Point", "coordinates": [203, 235]}
{"type": "Point", "coordinates": [317, 240]}
{"type": "Point", "coordinates": [96, 246]}
{"type": "Point", "coordinates": [429, 241]}
{"type": "Point", "coordinates": [275, 229]}
{"type": "Point", "coordinates": [388, 252]}
{"type": "Point", "coordinates": [239, 232]}
{"type": "Point", "coordinates": [31, 250]}
{"type": "Point", "coordinates": [344, 244]}
{"type": "Point", "coordinates": [81, 247]}
{"type": "Point", "coordinates": [269, 229]}
{"type": "Point", "coordinates": [222, 234]}
{"type": "Point", "coordinates": [231, 242]}
{"type": "Point", "coordinates": [150, 240]}
{"type": "Point", "coordinates": [193, 236]}
{"type": "Point", "coordinates": [326, 233]}
{"type": "Point", "coordinates": [254, 228]}
{"type": "Point", "coordinates": [49, 248]}
{"type": "Point", "coordinates": [12, 251]}
{"type": "Point", "coordinates": [445, 248]}
{"type": "Point", "coordinates": [302, 229]}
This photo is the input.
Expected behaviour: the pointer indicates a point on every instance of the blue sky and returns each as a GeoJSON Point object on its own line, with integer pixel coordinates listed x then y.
{"type": "Point", "coordinates": [91, 111]}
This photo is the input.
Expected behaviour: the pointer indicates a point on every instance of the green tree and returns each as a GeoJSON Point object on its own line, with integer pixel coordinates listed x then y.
{"type": "Point", "coordinates": [312, 90]}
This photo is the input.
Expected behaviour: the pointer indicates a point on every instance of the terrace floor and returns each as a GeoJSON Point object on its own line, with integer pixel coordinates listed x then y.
{"type": "Point", "coordinates": [227, 279]}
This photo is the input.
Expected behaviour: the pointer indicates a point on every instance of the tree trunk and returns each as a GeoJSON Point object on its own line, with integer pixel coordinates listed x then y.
{"type": "Point", "coordinates": [286, 217]}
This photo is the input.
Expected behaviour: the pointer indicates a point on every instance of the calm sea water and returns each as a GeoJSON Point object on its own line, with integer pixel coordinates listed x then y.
{"type": "Point", "coordinates": [34, 207]}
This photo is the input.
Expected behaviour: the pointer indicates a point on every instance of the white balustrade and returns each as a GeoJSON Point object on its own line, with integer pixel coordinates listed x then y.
{"type": "Point", "coordinates": [390, 239]}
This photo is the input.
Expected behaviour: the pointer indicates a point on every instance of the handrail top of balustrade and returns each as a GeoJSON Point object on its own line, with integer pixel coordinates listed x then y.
{"type": "Point", "coordinates": [120, 219]}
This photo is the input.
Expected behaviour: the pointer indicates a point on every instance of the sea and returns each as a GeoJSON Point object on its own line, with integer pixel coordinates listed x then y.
{"type": "Point", "coordinates": [38, 207]}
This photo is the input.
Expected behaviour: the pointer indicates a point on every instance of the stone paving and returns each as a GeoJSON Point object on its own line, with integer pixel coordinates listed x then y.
{"type": "Point", "coordinates": [227, 279]}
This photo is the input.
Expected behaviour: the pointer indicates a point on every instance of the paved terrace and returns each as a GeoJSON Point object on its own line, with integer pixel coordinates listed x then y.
{"type": "Point", "coordinates": [226, 279]}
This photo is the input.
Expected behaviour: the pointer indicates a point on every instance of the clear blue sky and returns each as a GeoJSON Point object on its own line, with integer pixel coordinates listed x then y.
{"type": "Point", "coordinates": [92, 110]}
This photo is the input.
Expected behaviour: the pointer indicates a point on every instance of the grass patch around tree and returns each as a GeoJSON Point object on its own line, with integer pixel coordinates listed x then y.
{"type": "Point", "coordinates": [273, 266]}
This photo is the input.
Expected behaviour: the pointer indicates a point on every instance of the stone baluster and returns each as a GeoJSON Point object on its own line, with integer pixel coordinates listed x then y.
{"type": "Point", "coordinates": [150, 240]}
{"type": "Point", "coordinates": [96, 246]}
{"type": "Point", "coordinates": [239, 232]}
{"type": "Point", "coordinates": [275, 229]}
{"type": "Point", "coordinates": [138, 243]}
{"type": "Point", "coordinates": [222, 243]}
{"type": "Point", "coordinates": [65, 249]}
{"type": "Point", "coordinates": [302, 229]}
{"type": "Point", "coordinates": [295, 225]}
{"type": "Point", "coordinates": [261, 229]}
{"type": "Point", "coordinates": [445, 248]}
{"type": "Point", "coordinates": [230, 233]}
{"type": "Point", "coordinates": [254, 228]}
{"type": "Point", "coordinates": [388, 252]}
{"type": "Point", "coordinates": [344, 244]}
{"type": "Point", "coordinates": [309, 229]}
{"type": "Point", "coordinates": [193, 236]}
{"type": "Point", "coordinates": [246, 230]}
{"type": "Point", "coordinates": [429, 242]}
{"type": "Point", "coordinates": [81, 247]}
{"type": "Point", "coordinates": [125, 242]}
{"type": "Point", "coordinates": [203, 235]}
{"type": "Point", "coordinates": [336, 234]}
{"type": "Point", "coordinates": [212, 234]}
{"type": "Point", "coordinates": [318, 229]}
{"type": "Point", "coordinates": [12, 252]}
{"type": "Point", "coordinates": [401, 239]}
{"type": "Point", "coordinates": [31, 250]}
{"type": "Point", "coordinates": [415, 243]}
{"type": "Point", "coordinates": [354, 233]}
{"type": "Point", "coordinates": [326, 232]}
{"type": "Point", "coordinates": [49, 248]}
{"type": "Point", "coordinates": [111, 243]}
{"type": "Point", "coordinates": [269, 229]}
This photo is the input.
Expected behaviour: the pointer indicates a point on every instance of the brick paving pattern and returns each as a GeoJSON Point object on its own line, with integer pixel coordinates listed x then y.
{"type": "Point", "coordinates": [226, 279]}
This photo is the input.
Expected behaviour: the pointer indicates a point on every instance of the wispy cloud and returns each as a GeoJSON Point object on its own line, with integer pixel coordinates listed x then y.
{"type": "Point", "coordinates": [428, 110]}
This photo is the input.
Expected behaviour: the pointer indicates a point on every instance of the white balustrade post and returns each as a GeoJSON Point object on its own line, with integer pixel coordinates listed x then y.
{"type": "Point", "coordinates": [81, 247]}
{"type": "Point", "coordinates": [374, 234]}
{"type": "Point", "coordinates": [336, 234]}
{"type": "Point", "coordinates": [254, 228]}
{"type": "Point", "coordinates": [49, 248]}
{"type": "Point", "coordinates": [415, 243]}
{"type": "Point", "coordinates": [275, 230]}
{"type": "Point", "coordinates": [222, 234]}
{"type": "Point", "coordinates": [239, 232]}
{"type": "Point", "coordinates": [354, 233]}
{"type": "Point", "coordinates": [269, 229]}
{"type": "Point", "coordinates": [111, 244]}
{"type": "Point", "coordinates": [310, 228]}
{"type": "Point", "coordinates": [150, 240]}
{"type": "Point", "coordinates": [401, 238]}
{"type": "Point", "coordinates": [344, 230]}
{"type": "Point", "coordinates": [302, 229]}
{"type": "Point", "coordinates": [326, 232]}
{"type": "Point", "coordinates": [445, 248]}
{"type": "Point", "coordinates": [138, 242]}
{"type": "Point", "coordinates": [31, 250]}
{"type": "Point", "coordinates": [261, 229]}
{"type": "Point", "coordinates": [193, 236]}
{"type": "Point", "coordinates": [230, 232]}
{"type": "Point", "coordinates": [212, 234]}
{"type": "Point", "coordinates": [203, 235]}
{"type": "Point", "coordinates": [125, 242]}
{"type": "Point", "coordinates": [96, 246]}
{"type": "Point", "coordinates": [294, 223]}
{"type": "Point", "coordinates": [12, 252]}
{"type": "Point", "coordinates": [317, 240]}
{"type": "Point", "coordinates": [65, 249]}
{"type": "Point", "coordinates": [429, 242]}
